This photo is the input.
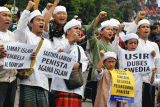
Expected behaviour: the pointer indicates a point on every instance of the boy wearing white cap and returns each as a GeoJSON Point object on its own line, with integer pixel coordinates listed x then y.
{"type": "Point", "coordinates": [106, 32]}
{"type": "Point", "coordinates": [104, 78]}
{"type": "Point", "coordinates": [34, 89]}
{"type": "Point", "coordinates": [8, 79]}
{"type": "Point", "coordinates": [71, 97]}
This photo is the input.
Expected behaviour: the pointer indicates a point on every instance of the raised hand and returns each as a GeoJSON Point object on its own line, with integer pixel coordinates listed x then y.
{"type": "Point", "coordinates": [142, 14]}
{"type": "Point", "coordinates": [154, 70]}
{"type": "Point", "coordinates": [102, 14]}
{"type": "Point", "coordinates": [102, 52]}
{"type": "Point", "coordinates": [153, 53]}
{"type": "Point", "coordinates": [56, 2]}
{"type": "Point", "coordinates": [30, 5]}
{"type": "Point", "coordinates": [49, 5]}
{"type": "Point", "coordinates": [121, 27]}
{"type": "Point", "coordinates": [33, 56]}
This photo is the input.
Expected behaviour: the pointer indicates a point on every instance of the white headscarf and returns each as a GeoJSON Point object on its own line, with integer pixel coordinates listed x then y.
{"type": "Point", "coordinates": [59, 8]}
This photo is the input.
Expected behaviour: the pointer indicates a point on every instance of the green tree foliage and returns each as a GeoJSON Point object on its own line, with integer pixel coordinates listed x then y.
{"type": "Point", "coordinates": [89, 9]}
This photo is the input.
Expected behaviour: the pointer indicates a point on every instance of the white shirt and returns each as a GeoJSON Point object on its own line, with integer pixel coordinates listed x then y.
{"type": "Point", "coordinates": [26, 36]}
{"type": "Point", "coordinates": [150, 46]}
{"type": "Point", "coordinates": [5, 36]}
{"type": "Point", "coordinates": [58, 84]}
{"type": "Point", "coordinates": [7, 75]}
{"type": "Point", "coordinates": [156, 82]}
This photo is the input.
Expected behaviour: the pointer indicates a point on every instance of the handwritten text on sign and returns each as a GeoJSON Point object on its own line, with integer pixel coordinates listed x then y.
{"type": "Point", "coordinates": [18, 55]}
{"type": "Point", "coordinates": [123, 86]}
{"type": "Point", "coordinates": [137, 61]}
{"type": "Point", "coordinates": [54, 63]}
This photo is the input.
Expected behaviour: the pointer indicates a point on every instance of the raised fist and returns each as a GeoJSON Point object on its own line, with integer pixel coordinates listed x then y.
{"type": "Point", "coordinates": [102, 14]}
{"type": "Point", "coordinates": [30, 5]}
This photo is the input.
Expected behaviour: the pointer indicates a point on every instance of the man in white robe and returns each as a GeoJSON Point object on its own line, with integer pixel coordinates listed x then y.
{"type": "Point", "coordinates": [34, 89]}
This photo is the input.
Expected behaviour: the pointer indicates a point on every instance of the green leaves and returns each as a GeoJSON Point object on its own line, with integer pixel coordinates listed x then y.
{"type": "Point", "coordinates": [89, 9]}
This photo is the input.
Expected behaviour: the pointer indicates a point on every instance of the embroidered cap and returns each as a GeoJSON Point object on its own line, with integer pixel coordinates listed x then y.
{"type": "Point", "coordinates": [2, 8]}
{"type": "Point", "coordinates": [34, 14]}
{"type": "Point", "coordinates": [130, 36]}
{"type": "Point", "coordinates": [105, 24]}
{"type": "Point", "coordinates": [143, 21]}
{"type": "Point", "coordinates": [110, 54]}
{"type": "Point", "coordinates": [115, 22]}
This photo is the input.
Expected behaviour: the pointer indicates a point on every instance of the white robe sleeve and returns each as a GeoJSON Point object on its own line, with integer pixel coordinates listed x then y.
{"type": "Point", "coordinates": [133, 28]}
{"type": "Point", "coordinates": [22, 27]}
{"type": "Point", "coordinates": [156, 82]}
{"type": "Point", "coordinates": [99, 75]}
{"type": "Point", "coordinates": [116, 46]}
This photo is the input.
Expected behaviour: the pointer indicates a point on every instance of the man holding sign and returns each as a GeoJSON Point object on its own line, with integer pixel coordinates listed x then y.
{"type": "Point", "coordinates": [62, 93]}
{"type": "Point", "coordinates": [34, 89]}
{"type": "Point", "coordinates": [7, 76]}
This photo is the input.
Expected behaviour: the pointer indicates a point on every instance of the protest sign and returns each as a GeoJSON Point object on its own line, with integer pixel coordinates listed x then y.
{"type": "Point", "coordinates": [123, 86]}
{"type": "Point", "coordinates": [52, 63]}
{"type": "Point", "coordinates": [137, 61]}
{"type": "Point", "coordinates": [18, 55]}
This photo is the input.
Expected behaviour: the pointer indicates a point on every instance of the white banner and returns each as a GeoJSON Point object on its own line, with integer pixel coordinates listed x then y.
{"type": "Point", "coordinates": [137, 61]}
{"type": "Point", "coordinates": [18, 55]}
{"type": "Point", "coordinates": [52, 63]}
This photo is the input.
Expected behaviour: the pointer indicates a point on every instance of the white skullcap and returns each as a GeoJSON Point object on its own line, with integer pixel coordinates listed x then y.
{"type": "Point", "coordinates": [4, 9]}
{"type": "Point", "coordinates": [105, 24]}
{"type": "Point", "coordinates": [130, 36]}
{"type": "Point", "coordinates": [34, 14]}
{"type": "Point", "coordinates": [115, 22]}
{"type": "Point", "coordinates": [143, 21]}
{"type": "Point", "coordinates": [75, 16]}
{"type": "Point", "coordinates": [59, 8]}
{"type": "Point", "coordinates": [71, 24]}
{"type": "Point", "coordinates": [110, 55]}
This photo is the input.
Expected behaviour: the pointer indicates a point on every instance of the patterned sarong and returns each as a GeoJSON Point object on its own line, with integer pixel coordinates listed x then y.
{"type": "Point", "coordinates": [63, 99]}
{"type": "Point", "coordinates": [32, 96]}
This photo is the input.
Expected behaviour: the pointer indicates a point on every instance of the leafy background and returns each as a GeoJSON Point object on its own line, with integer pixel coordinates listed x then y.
{"type": "Point", "coordinates": [88, 9]}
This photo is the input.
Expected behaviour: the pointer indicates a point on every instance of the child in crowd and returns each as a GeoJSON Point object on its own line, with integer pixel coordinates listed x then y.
{"type": "Point", "coordinates": [131, 43]}
{"type": "Point", "coordinates": [105, 80]}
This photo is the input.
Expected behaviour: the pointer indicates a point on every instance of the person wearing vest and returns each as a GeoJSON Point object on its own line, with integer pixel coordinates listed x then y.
{"type": "Point", "coordinates": [7, 76]}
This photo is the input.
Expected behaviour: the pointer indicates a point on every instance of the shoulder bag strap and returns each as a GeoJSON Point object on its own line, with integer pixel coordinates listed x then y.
{"type": "Point", "coordinates": [38, 48]}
